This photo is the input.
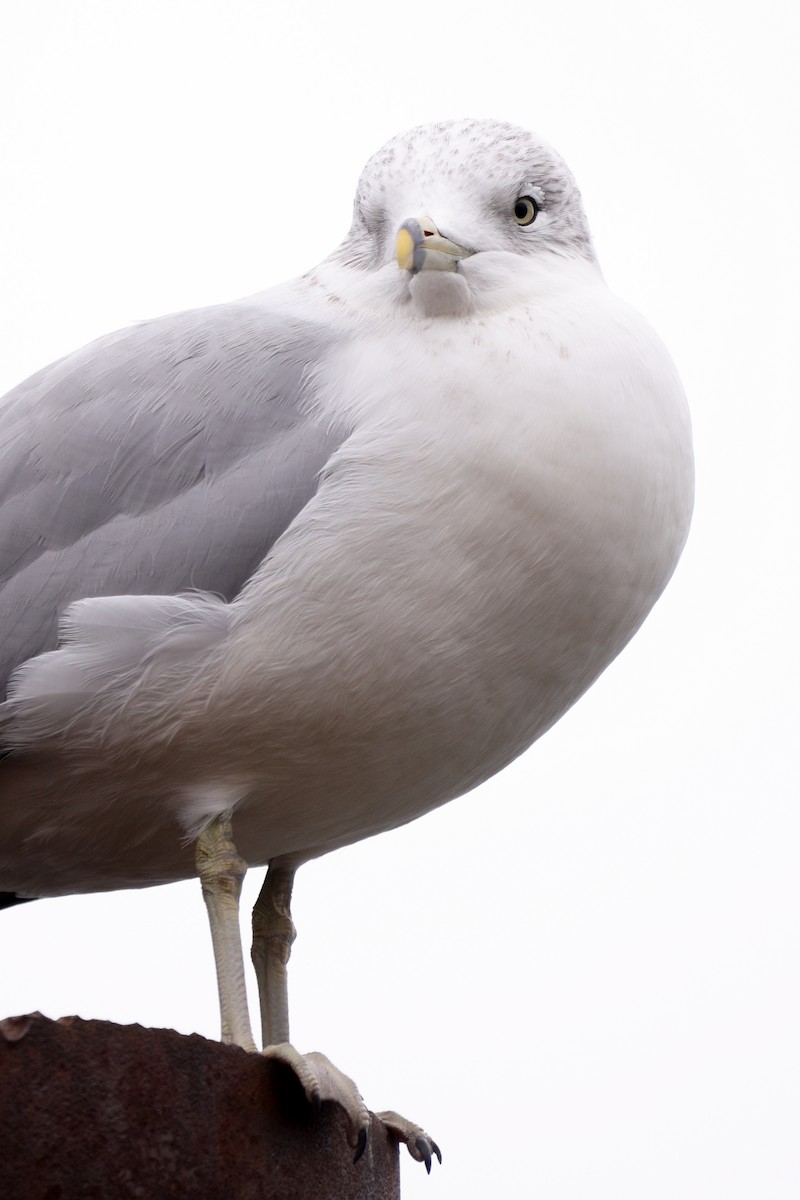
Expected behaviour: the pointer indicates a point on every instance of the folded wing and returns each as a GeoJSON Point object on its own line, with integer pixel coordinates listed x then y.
{"type": "Point", "coordinates": [169, 456]}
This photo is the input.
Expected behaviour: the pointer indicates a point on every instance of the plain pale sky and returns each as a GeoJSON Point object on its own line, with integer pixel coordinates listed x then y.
{"type": "Point", "coordinates": [583, 977]}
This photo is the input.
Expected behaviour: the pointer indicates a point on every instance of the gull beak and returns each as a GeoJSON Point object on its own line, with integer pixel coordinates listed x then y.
{"type": "Point", "coordinates": [420, 247]}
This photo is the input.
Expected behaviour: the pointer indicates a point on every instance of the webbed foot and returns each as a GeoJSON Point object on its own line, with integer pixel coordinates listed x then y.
{"type": "Point", "coordinates": [321, 1080]}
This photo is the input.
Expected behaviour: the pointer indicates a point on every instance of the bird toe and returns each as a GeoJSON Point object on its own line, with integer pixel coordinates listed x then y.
{"type": "Point", "coordinates": [420, 1145]}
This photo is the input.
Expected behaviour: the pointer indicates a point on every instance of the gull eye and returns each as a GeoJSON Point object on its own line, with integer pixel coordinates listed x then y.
{"type": "Point", "coordinates": [525, 210]}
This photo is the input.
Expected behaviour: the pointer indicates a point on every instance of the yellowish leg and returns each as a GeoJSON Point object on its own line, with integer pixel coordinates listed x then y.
{"type": "Point", "coordinates": [221, 872]}
{"type": "Point", "coordinates": [273, 935]}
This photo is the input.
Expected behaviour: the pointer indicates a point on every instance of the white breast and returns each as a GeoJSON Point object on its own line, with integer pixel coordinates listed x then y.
{"type": "Point", "coordinates": [512, 502]}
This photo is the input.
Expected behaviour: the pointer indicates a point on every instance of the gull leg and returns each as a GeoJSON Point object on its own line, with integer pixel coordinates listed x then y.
{"type": "Point", "coordinates": [273, 935]}
{"type": "Point", "coordinates": [221, 872]}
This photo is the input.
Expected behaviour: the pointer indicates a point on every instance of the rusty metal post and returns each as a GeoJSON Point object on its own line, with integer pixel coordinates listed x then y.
{"type": "Point", "coordinates": [90, 1110]}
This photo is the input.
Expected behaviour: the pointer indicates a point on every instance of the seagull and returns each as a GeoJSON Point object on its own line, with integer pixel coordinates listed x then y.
{"type": "Point", "coordinates": [284, 573]}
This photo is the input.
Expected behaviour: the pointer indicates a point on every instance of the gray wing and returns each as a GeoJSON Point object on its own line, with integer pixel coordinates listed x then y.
{"type": "Point", "coordinates": [165, 457]}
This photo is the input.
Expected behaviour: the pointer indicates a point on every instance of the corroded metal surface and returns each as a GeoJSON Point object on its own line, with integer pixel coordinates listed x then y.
{"type": "Point", "coordinates": [95, 1111]}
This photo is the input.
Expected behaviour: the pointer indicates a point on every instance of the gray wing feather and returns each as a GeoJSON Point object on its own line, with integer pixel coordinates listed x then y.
{"type": "Point", "coordinates": [165, 457]}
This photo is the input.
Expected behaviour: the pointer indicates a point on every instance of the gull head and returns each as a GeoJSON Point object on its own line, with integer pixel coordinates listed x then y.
{"type": "Point", "coordinates": [433, 199]}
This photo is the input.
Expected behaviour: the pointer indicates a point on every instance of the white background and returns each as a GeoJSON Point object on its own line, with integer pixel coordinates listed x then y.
{"type": "Point", "coordinates": [583, 977]}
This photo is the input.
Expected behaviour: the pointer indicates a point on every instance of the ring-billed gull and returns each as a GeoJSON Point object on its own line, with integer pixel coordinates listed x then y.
{"type": "Point", "coordinates": [326, 558]}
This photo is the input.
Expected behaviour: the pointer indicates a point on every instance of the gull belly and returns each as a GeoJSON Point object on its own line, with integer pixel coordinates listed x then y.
{"type": "Point", "coordinates": [508, 503]}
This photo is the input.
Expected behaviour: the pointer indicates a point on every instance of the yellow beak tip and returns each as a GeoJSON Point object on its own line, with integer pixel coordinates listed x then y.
{"type": "Point", "coordinates": [405, 250]}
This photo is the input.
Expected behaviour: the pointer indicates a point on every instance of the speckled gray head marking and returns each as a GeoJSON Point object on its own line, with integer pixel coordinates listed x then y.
{"type": "Point", "coordinates": [467, 175]}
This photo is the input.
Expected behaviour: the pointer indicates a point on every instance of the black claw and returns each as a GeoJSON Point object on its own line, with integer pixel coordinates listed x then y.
{"type": "Point", "coordinates": [362, 1144]}
{"type": "Point", "coordinates": [436, 1151]}
{"type": "Point", "coordinates": [425, 1151]}
{"type": "Point", "coordinates": [316, 1100]}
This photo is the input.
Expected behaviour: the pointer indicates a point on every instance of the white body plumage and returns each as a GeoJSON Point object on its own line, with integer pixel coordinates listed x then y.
{"type": "Point", "coordinates": [509, 494]}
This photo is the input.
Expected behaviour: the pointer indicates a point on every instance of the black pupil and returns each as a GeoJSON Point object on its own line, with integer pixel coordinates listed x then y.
{"type": "Point", "coordinates": [521, 210]}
